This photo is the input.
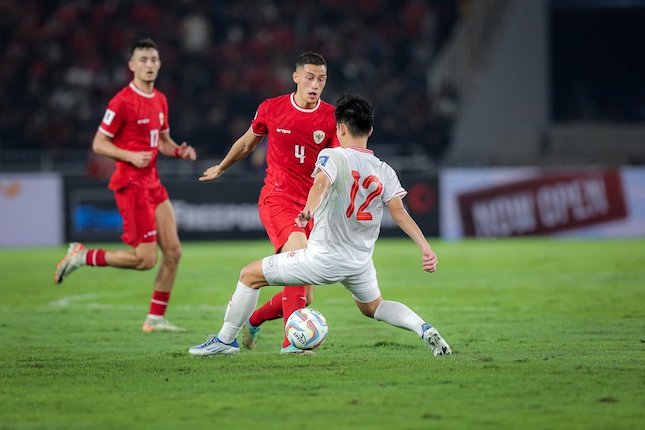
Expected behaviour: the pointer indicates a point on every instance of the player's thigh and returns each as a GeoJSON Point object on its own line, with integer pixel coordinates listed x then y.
{"type": "Point", "coordinates": [138, 216]}
{"type": "Point", "coordinates": [363, 285]}
{"type": "Point", "coordinates": [296, 240]}
{"type": "Point", "coordinates": [293, 268]}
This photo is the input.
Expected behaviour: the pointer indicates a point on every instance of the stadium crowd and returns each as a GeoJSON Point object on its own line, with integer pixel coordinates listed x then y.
{"type": "Point", "coordinates": [63, 60]}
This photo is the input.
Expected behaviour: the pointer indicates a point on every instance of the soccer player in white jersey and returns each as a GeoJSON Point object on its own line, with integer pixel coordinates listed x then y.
{"type": "Point", "coordinates": [351, 187]}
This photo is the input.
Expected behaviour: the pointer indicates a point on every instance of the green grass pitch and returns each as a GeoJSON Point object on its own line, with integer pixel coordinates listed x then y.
{"type": "Point", "coordinates": [546, 334]}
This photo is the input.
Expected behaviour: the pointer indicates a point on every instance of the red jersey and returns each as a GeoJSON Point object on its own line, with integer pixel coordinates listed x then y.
{"type": "Point", "coordinates": [295, 137]}
{"type": "Point", "coordinates": [133, 120]}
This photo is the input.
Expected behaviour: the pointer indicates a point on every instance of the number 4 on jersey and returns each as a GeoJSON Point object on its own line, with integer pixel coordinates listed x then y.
{"type": "Point", "coordinates": [300, 153]}
{"type": "Point", "coordinates": [361, 214]}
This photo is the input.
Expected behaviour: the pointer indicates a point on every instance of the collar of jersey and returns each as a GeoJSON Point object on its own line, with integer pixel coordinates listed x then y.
{"type": "Point", "coordinates": [295, 105]}
{"type": "Point", "coordinates": [141, 93]}
{"type": "Point", "coordinates": [359, 149]}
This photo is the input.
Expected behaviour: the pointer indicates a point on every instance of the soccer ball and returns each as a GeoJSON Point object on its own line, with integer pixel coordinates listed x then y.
{"type": "Point", "coordinates": [306, 329]}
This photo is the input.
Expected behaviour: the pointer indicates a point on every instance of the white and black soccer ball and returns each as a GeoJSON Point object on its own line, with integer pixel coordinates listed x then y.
{"type": "Point", "coordinates": [306, 329]}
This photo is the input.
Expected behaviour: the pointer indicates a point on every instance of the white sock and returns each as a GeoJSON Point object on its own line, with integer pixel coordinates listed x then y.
{"type": "Point", "coordinates": [240, 308]}
{"type": "Point", "coordinates": [399, 315]}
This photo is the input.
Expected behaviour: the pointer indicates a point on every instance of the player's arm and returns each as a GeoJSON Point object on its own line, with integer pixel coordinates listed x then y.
{"type": "Point", "coordinates": [411, 228]}
{"type": "Point", "coordinates": [103, 145]}
{"type": "Point", "coordinates": [316, 193]}
{"type": "Point", "coordinates": [170, 148]}
{"type": "Point", "coordinates": [240, 149]}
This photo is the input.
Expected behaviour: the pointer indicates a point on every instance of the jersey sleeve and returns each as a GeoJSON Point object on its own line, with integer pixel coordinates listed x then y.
{"type": "Point", "coordinates": [259, 125]}
{"type": "Point", "coordinates": [391, 185]}
{"type": "Point", "coordinates": [327, 163]}
{"type": "Point", "coordinates": [114, 117]}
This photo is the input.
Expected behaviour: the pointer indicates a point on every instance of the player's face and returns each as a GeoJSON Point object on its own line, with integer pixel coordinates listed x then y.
{"type": "Point", "coordinates": [145, 64]}
{"type": "Point", "coordinates": [310, 81]}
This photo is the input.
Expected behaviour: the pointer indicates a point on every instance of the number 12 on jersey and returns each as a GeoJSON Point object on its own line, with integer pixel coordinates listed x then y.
{"type": "Point", "coordinates": [362, 214]}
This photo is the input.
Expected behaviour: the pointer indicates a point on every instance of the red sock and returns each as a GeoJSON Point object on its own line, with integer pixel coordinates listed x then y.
{"type": "Point", "coordinates": [159, 302]}
{"type": "Point", "coordinates": [293, 299]}
{"type": "Point", "coordinates": [95, 257]}
{"type": "Point", "coordinates": [271, 310]}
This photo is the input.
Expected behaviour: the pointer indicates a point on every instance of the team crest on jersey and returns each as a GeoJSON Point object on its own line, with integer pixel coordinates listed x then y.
{"type": "Point", "coordinates": [319, 136]}
{"type": "Point", "coordinates": [108, 117]}
{"type": "Point", "coordinates": [161, 118]}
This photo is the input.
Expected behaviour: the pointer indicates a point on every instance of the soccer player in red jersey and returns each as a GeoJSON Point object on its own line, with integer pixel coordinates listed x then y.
{"type": "Point", "coordinates": [133, 132]}
{"type": "Point", "coordinates": [298, 126]}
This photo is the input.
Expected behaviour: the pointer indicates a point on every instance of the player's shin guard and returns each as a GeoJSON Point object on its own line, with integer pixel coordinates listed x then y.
{"type": "Point", "coordinates": [95, 257]}
{"type": "Point", "coordinates": [399, 315]}
{"type": "Point", "coordinates": [159, 302]}
{"type": "Point", "coordinates": [294, 298]}
{"type": "Point", "coordinates": [240, 309]}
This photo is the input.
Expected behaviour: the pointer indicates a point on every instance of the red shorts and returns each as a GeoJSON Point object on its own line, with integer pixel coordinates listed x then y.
{"type": "Point", "coordinates": [137, 207]}
{"type": "Point", "coordinates": [278, 215]}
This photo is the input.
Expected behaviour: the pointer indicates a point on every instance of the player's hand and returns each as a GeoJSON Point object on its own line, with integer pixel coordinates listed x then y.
{"type": "Point", "coordinates": [187, 152]}
{"type": "Point", "coordinates": [429, 261]}
{"type": "Point", "coordinates": [211, 173]}
{"type": "Point", "coordinates": [303, 218]}
{"type": "Point", "coordinates": [140, 159]}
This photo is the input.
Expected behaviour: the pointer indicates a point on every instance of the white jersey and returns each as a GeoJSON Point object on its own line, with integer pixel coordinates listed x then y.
{"type": "Point", "coordinates": [348, 220]}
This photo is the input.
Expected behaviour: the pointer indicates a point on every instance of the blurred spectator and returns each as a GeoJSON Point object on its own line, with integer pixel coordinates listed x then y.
{"type": "Point", "coordinates": [62, 61]}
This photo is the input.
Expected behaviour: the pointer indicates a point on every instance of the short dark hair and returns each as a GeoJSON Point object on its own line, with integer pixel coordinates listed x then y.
{"type": "Point", "coordinates": [356, 113]}
{"type": "Point", "coordinates": [310, 57]}
{"type": "Point", "coordinates": [146, 43]}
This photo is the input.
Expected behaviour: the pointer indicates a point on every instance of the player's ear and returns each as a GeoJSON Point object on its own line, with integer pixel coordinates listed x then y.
{"type": "Point", "coordinates": [341, 129]}
{"type": "Point", "coordinates": [131, 65]}
{"type": "Point", "coordinates": [294, 75]}
{"type": "Point", "coordinates": [371, 131]}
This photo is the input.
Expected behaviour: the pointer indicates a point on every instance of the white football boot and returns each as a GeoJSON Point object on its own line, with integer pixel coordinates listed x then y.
{"type": "Point", "coordinates": [214, 346]}
{"type": "Point", "coordinates": [434, 340]}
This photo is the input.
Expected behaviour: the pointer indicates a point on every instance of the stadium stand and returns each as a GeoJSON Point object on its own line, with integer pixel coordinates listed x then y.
{"type": "Point", "coordinates": [62, 61]}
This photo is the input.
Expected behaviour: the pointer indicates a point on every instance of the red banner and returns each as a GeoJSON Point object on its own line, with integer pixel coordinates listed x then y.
{"type": "Point", "coordinates": [543, 205]}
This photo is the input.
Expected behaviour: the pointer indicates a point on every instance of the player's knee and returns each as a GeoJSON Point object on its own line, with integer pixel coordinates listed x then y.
{"type": "Point", "coordinates": [147, 262]}
{"type": "Point", "coordinates": [173, 255]}
{"type": "Point", "coordinates": [246, 276]}
{"type": "Point", "coordinates": [250, 277]}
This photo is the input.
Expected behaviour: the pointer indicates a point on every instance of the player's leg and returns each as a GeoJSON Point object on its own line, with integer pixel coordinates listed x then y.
{"type": "Point", "coordinates": [368, 299]}
{"type": "Point", "coordinates": [277, 216]}
{"type": "Point", "coordinates": [168, 241]}
{"type": "Point", "coordinates": [293, 297]}
{"type": "Point", "coordinates": [268, 209]}
{"type": "Point", "coordinates": [287, 268]}
{"type": "Point", "coordinates": [239, 309]}
{"type": "Point", "coordinates": [141, 258]}
{"type": "Point", "coordinates": [136, 216]}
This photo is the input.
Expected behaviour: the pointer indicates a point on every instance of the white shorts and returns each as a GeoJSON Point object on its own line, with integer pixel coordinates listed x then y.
{"type": "Point", "coordinates": [301, 268]}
